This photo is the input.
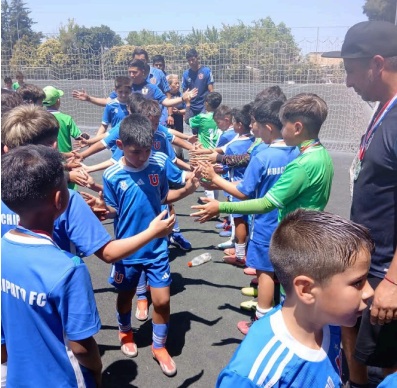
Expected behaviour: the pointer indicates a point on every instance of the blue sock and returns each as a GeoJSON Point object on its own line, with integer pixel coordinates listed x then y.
{"type": "Point", "coordinates": [160, 331]}
{"type": "Point", "coordinates": [124, 321]}
{"type": "Point", "coordinates": [141, 287]}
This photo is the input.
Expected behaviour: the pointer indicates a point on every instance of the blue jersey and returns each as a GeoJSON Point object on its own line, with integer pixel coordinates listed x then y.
{"type": "Point", "coordinates": [258, 148]}
{"type": "Point", "coordinates": [270, 356]}
{"type": "Point", "coordinates": [137, 195]}
{"type": "Point", "coordinates": [46, 299]}
{"type": "Point", "coordinates": [76, 230]}
{"type": "Point", "coordinates": [262, 172]}
{"type": "Point", "coordinates": [164, 129]}
{"type": "Point", "coordinates": [110, 140]}
{"type": "Point", "coordinates": [148, 90]}
{"type": "Point", "coordinates": [114, 112]}
{"type": "Point", "coordinates": [9, 219]}
{"type": "Point", "coordinates": [158, 78]}
{"type": "Point", "coordinates": [199, 79]}
{"type": "Point", "coordinates": [226, 137]}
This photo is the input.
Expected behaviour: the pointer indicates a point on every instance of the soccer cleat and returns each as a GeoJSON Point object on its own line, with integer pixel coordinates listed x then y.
{"type": "Point", "coordinates": [244, 326]}
{"type": "Point", "coordinates": [254, 282]}
{"type": "Point", "coordinates": [250, 291]}
{"type": "Point", "coordinates": [227, 244]}
{"type": "Point", "coordinates": [249, 305]}
{"type": "Point", "coordinates": [177, 239]}
{"type": "Point", "coordinates": [250, 271]}
{"type": "Point", "coordinates": [230, 252]}
{"type": "Point", "coordinates": [233, 260]}
{"type": "Point", "coordinates": [141, 313]}
{"type": "Point", "coordinates": [223, 224]}
{"type": "Point", "coordinates": [128, 346]}
{"type": "Point", "coordinates": [225, 233]}
{"type": "Point", "coordinates": [165, 361]}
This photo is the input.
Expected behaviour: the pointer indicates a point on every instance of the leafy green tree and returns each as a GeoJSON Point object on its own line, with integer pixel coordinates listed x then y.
{"type": "Point", "coordinates": [16, 24]}
{"type": "Point", "coordinates": [143, 38]}
{"type": "Point", "coordinates": [380, 10]}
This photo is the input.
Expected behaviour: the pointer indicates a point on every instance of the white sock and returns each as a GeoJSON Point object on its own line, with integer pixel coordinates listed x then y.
{"type": "Point", "coordinates": [261, 312]}
{"type": "Point", "coordinates": [240, 250]}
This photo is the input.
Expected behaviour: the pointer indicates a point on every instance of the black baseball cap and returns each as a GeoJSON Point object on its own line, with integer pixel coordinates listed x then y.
{"type": "Point", "coordinates": [367, 39]}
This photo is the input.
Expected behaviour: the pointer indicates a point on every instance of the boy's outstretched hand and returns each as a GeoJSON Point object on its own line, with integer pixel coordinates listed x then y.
{"type": "Point", "coordinates": [208, 211]}
{"type": "Point", "coordinates": [162, 227]}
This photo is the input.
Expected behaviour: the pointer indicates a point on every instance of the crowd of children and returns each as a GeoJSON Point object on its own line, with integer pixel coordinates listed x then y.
{"type": "Point", "coordinates": [276, 175]}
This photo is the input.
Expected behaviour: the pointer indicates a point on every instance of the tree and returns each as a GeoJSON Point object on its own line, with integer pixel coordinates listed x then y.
{"type": "Point", "coordinates": [143, 38]}
{"type": "Point", "coordinates": [380, 10]}
{"type": "Point", "coordinates": [16, 24]}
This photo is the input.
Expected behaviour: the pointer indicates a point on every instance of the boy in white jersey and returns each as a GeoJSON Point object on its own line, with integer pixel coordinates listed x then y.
{"type": "Point", "coordinates": [134, 190]}
{"type": "Point", "coordinates": [322, 261]}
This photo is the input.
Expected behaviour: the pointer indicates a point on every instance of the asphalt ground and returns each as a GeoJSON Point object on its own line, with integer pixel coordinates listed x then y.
{"type": "Point", "coordinates": [204, 303]}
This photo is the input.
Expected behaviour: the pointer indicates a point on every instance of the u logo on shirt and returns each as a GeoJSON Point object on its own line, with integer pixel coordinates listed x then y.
{"type": "Point", "coordinates": [118, 277]}
{"type": "Point", "coordinates": [154, 179]}
{"type": "Point", "coordinates": [156, 145]}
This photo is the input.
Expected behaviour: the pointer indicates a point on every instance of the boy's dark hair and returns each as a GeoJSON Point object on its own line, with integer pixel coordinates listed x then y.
{"type": "Point", "coordinates": [31, 93]}
{"type": "Point", "coordinates": [158, 58]}
{"type": "Point", "coordinates": [28, 124]}
{"type": "Point", "coordinates": [315, 244]}
{"type": "Point", "coordinates": [136, 130]}
{"type": "Point", "coordinates": [308, 108]}
{"type": "Point", "coordinates": [29, 174]}
{"type": "Point", "coordinates": [138, 64]}
{"type": "Point", "coordinates": [267, 112]}
{"type": "Point", "coordinates": [222, 111]}
{"type": "Point", "coordinates": [140, 51]}
{"type": "Point", "coordinates": [121, 81]}
{"type": "Point", "coordinates": [191, 53]}
{"type": "Point", "coordinates": [213, 99]}
{"type": "Point", "coordinates": [243, 116]}
{"type": "Point", "coordinates": [271, 93]}
{"type": "Point", "coordinates": [9, 100]}
{"type": "Point", "coordinates": [134, 101]}
{"type": "Point", "coordinates": [7, 80]}
{"type": "Point", "coordinates": [149, 108]}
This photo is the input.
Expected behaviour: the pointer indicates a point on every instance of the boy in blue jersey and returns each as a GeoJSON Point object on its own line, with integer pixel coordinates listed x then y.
{"type": "Point", "coordinates": [263, 171]}
{"type": "Point", "coordinates": [197, 77]}
{"type": "Point", "coordinates": [322, 261]}
{"type": "Point", "coordinates": [117, 109]}
{"type": "Point", "coordinates": [134, 190]}
{"type": "Point", "coordinates": [44, 289]}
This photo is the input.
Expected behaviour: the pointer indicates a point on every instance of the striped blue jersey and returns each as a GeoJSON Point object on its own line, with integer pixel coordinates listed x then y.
{"type": "Point", "coordinates": [137, 194]}
{"type": "Point", "coordinates": [270, 356]}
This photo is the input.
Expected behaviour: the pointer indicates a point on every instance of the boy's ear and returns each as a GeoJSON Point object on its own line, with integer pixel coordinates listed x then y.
{"type": "Point", "coordinates": [58, 200]}
{"type": "Point", "coordinates": [5, 149]}
{"type": "Point", "coordinates": [303, 288]}
{"type": "Point", "coordinates": [298, 127]}
{"type": "Point", "coordinates": [119, 144]}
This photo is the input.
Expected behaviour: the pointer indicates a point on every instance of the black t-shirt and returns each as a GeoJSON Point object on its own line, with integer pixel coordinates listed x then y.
{"type": "Point", "coordinates": [374, 202]}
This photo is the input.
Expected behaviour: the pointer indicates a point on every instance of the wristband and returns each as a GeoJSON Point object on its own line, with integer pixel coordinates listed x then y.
{"type": "Point", "coordinates": [390, 281]}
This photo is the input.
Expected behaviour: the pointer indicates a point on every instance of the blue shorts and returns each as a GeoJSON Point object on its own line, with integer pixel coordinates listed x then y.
{"type": "Point", "coordinates": [126, 276]}
{"type": "Point", "coordinates": [258, 256]}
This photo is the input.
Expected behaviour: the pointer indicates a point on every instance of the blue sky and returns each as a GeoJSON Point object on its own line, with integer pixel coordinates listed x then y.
{"type": "Point", "coordinates": [172, 15]}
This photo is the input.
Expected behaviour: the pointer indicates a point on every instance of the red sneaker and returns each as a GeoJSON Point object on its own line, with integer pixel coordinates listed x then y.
{"type": "Point", "coordinates": [128, 346]}
{"type": "Point", "coordinates": [165, 361]}
{"type": "Point", "coordinates": [141, 312]}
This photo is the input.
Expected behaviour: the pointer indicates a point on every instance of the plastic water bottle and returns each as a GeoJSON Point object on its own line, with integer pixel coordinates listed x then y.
{"type": "Point", "coordinates": [198, 260]}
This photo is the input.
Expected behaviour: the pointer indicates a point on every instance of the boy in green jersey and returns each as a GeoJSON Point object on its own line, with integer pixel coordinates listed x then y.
{"type": "Point", "coordinates": [306, 181]}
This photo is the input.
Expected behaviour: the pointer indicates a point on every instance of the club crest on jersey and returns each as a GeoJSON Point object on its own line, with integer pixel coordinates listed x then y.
{"type": "Point", "coordinates": [118, 277]}
{"type": "Point", "coordinates": [145, 91]}
{"type": "Point", "coordinates": [156, 145]}
{"type": "Point", "coordinates": [201, 76]}
{"type": "Point", "coordinates": [154, 179]}
{"type": "Point", "coordinates": [153, 80]}
{"type": "Point", "coordinates": [123, 185]}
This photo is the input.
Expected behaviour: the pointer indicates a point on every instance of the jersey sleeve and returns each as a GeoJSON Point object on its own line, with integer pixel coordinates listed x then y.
{"type": "Point", "coordinates": [164, 186]}
{"type": "Point", "coordinates": [80, 225]}
{"type": "Point", "coordinates": [185, 85]}
{"type": "Point", "coordinates": [164, 85]}
{"type": "Point", "coordinates": [291, 184]}
{"type": "Point", "coordinates": [114, 134]}
{"type": "Point", "coordinates": [194, 122]}
{"type": "Point", "coordinates": [75, 302]}
{"type": "Point", "coordinates": [175, 176]}
{"type": "Point", "coordinates": [210, 78]}
{"type": "Point", "coordinates": [117, 155]}
{"type": "Point", "coordinates": [74, 129]}
{"type": "Point", "coordinates": [113, 95]}
{"type": "Point", "coordinates": [107, 115]}
{"type": "Point", "coordinates": [158, 95]}
{"type": "Point", "coordinates": [109, 194]}
{"type": "Point", "coordinates": [252, 176]}
{"type": "Point", "coordinates": [228, 378]}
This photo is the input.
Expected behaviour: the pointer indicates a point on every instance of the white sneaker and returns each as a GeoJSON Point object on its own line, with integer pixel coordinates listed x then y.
{"type": "Point", "coordinates": [227, 244]}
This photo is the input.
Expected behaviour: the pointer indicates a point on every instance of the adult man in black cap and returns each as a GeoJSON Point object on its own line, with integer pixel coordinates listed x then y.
{"type": "Point", "coordinates": [369, 54]}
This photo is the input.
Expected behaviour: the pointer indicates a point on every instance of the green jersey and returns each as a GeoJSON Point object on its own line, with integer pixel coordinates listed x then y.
{"type": "Point", "coordinates": [305, 183]}
{"type": "Point", "coordinates": [208, 131]}
{"type": "Point", "coordinates": [67, 130]}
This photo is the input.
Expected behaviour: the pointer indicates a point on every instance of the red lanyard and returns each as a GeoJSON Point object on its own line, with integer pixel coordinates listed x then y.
{"type": "Point", "coordinates": [313, 143]}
